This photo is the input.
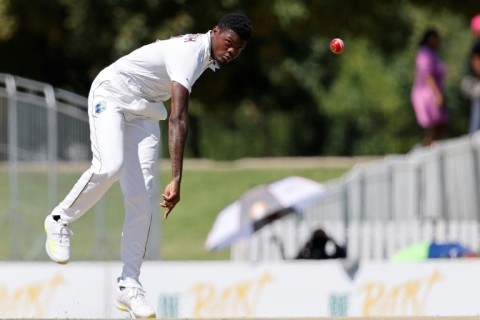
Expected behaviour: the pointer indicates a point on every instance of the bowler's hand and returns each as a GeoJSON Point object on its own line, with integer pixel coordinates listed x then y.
{"type": "Point", "coordinates": [171, 197]}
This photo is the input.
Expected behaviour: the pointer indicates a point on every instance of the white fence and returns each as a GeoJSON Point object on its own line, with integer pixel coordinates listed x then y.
{"type": "Point", "coordinates": [378, 208]}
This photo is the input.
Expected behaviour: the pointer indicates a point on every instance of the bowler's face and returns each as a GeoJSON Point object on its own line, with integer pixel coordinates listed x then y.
{"type": "Point", "coordinates": [226, 45]}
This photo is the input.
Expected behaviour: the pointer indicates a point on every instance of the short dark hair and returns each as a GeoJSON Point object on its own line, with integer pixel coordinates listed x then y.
{"type": "Point", "coordinates": [429, 33]}
{"type": "Point", "coordinates": [238, 23]}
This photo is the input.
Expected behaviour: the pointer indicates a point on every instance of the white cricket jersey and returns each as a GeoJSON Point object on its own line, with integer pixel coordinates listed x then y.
{"type": "Point", "coordinates": [149, 70]}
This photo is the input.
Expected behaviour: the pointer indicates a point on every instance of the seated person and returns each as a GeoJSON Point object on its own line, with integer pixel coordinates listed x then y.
{"type": "Point", "coordinates": [315, 248]}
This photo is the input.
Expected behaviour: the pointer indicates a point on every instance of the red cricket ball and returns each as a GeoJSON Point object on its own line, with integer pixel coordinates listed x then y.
{"type": "Point", "coordinates": [337, 45]}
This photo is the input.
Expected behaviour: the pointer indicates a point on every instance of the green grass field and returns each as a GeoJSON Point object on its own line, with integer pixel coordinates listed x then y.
{"type": "Point", "coordinates": [205, 191]}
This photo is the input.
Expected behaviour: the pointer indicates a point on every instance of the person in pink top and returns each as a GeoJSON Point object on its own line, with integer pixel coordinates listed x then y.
{"type": "Point", "coordinates": [470, 84]}
{"type": "Point", "coordinates": [428, 91]}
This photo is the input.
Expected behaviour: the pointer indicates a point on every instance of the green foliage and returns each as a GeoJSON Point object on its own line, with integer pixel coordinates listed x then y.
{"type": "Point", "coordinates": [365, 98]}
{"type": "Point", "coordinates": [7, 22]}
{"type": "Point", "coordinates": [287, 94]}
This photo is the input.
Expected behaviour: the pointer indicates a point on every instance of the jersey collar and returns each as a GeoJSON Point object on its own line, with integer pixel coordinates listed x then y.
{"type": "Point", "coordinates": [212, 63]}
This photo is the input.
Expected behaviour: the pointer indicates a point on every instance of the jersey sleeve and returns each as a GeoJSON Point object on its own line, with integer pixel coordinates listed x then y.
{"type": "Point", "coordinates": [183, 63]}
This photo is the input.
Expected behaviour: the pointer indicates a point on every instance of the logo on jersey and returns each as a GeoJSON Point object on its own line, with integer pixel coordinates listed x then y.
{"type": "Point", "coordinates": [100, 107]}
{"type": "Point", "coordinates": [190, 37]}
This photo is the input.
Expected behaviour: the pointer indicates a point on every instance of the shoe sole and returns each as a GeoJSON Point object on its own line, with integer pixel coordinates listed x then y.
{"type": "Point", "coordinates": [124, 308]}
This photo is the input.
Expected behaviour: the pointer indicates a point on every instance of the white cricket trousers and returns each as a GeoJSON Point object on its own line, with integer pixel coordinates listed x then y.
{"type": "Point", "coordinates": [125, 148]}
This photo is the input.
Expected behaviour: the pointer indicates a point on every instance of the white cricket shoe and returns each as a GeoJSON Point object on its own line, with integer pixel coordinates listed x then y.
{"type": "Point", "coordinates": [58, 239]}
{"type": "Point", "coordinates": [132, 300]}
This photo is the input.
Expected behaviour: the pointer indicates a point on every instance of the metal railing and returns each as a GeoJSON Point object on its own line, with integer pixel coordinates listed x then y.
{"type": "Point", "coordinates": [378, 208]}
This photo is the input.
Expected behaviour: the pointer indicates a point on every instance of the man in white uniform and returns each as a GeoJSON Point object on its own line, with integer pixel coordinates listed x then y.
{"type": "Point", "coordinates": [124, 107]}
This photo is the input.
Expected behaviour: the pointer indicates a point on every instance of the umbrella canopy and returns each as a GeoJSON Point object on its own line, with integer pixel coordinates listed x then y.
{"type": "Point", "coordinates": [260, 206]}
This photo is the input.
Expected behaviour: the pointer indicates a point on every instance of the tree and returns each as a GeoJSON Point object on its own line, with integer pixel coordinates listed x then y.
{"type": "Point", "coordinates": [287, 95]}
